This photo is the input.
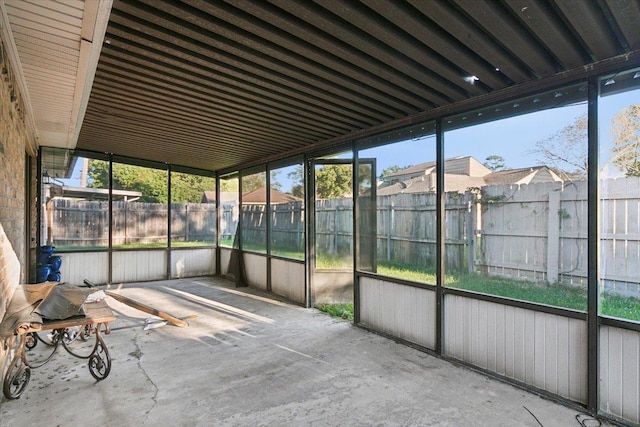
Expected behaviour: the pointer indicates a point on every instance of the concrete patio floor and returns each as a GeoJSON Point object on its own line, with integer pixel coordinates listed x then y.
{"type": "Point", "coordinates": [249, 360]}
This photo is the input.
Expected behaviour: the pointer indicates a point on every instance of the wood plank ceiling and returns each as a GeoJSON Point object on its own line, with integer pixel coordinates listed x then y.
{"type": "Point", "coordinates": [220, 84]}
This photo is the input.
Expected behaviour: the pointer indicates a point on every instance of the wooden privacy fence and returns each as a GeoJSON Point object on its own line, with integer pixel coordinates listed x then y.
{"type": "Point", "coordinates": [407, 229]}
{"type": "Point", "coordinates": [539, 232]}
{"type": "Point", "coordinates": [536, 232]}
{"type": "Point", "coordinates": [83, 223]}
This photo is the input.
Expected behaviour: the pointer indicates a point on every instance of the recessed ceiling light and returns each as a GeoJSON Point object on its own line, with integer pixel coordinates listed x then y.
{"type": "Point", "coordinates": [636, 75]}
{"type": "Point", "coordinates": [516, 105]}
{"type": "Point", "coordinates": [557, 95]}
{"type": "Point", "coordinates": [536, 100]}
{"type": "Point", "coordinates": [609, 82]}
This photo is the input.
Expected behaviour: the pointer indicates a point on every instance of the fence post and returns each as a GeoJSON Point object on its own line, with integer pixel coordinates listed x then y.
{"type": "Point", "coordinates": [553, 237]}
{"type": "Point", "coordinates": [471, 232]}
{"type": "Point", "coordinates": [335, 229]}
{"type": "Point", "coordinates": [186, 222]}
{"type": "Point", "coordinates": [389, 219]}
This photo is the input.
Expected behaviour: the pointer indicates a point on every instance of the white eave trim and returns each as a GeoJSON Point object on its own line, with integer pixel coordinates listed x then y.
{"type": "Point", "coordinates": [16, 65]}
{"type": "Point", "coordinates": [94, 26]}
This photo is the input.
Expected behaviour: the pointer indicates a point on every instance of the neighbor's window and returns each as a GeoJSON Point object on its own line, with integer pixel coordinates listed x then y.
{"type": "Point", "coordinates": [139, 205]}
{"type": "Point", "coordinates": [229, 208]}
{"type": "Point", "coordinates": [254, 212]}
{"type": "Point", "coordinates": [516, 199]}
{"type": "Point", "coordinates": [193, 210]}
{"type": "Point", "coordinates": [619, 136]}
{"type": "Point", "coordinates": [75, 200]}
{"type": "Point", "coordinates": [287, 211]}
{"type": "Point", "coordinates": [397, 204]}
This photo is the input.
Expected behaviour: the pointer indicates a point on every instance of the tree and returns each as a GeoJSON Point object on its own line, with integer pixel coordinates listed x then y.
{"type": "Point", "coordinates": [495, 162]}
{"type": "Point", "coordinates": [151, 183]}
{"type": "Point", "coordinates": [566, 150]}
{"type": "Point", "coordinates": [390, 170]}
{"type": "Point", "coordinates": [188, 188]}
{"type": "Point", "coordinates": [253, 182]}
{"type": "Point", "coordinates": [333, 181]}
{"type": "Point", "coordinates": [626, 140]}
{"type": "Point", "coordinates": [297, 176]}
{"type": "Point", "coordinates": [229, 184]}
{"type": "Point", "coordinates": [273, 182]}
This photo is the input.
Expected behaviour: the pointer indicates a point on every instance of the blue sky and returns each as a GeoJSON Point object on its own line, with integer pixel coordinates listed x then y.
{"type": "Point", "coordinates": [512, 138]}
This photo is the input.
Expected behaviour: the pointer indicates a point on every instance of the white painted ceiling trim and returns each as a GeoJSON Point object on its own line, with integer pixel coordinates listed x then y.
{"type": "Point", "coordinates": [94, 27]}
{"type": "Point", "coordinates": [54, 48]}
{"type": "Point", "coordinates": [16, 65]}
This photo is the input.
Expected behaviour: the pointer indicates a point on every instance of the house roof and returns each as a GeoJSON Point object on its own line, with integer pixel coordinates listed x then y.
{"type": "Point", "coordinates": [259, 196]}
{"type": "Point", "coordinates": [256, 196]}
{"type": "Point", "coordinates": [225, 196]}
{"type": "Point", "coordinates": [512, 176]}
{"type": "Point", "coordinates": [218, 84]}
{"type": "Point", "coordinates": [461, 183]}
{"type": "Point", "coordinates": [417, 169]}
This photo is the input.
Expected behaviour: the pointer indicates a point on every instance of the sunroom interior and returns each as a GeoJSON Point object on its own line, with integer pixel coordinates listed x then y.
{"type": "Point", "coordinates": [463, 174]}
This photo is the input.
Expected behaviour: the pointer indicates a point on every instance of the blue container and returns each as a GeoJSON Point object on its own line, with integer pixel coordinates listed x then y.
{"type": "Point", "coordinates": [42, 273]}
{"type": "Point", "coordinates": [54, 277]}
{"type": "Point", "coordinates": [44, 252]}
{"type": "Point", "coordinates": [55, 262]}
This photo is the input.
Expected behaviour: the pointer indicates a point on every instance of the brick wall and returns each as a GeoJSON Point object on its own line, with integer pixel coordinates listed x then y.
{"type": "Point", "coordinates": [13, 146]}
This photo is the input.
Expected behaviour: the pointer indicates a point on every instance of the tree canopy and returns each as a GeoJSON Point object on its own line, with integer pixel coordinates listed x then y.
{"type": "Point", "coordinates": [333, 181]}
{"type": "Point", "coordinates": [151, 183]}
{"type": "Point", "coordinates": [626, 140]}
{"type": "Point", "coordinates": [566, 150]}
{"type": "Point", "coordinates": [495, 162]}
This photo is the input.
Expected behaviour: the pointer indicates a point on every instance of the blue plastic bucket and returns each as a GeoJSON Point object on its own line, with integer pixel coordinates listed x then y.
{"type": "Point", "coordinates": [54, 277]}
{"type": "Point", "coordinates": [42, 273]}
{"type": "Point", "coordinates": [44, 252]}
{"type": "Point", "coordinates": [55, 262]}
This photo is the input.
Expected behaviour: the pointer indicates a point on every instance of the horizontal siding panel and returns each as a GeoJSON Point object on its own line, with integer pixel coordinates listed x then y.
{"type": "Point", "coordinates": [540, 349]}
{"type": "Point", "coordinates": [225, 260]}
{"type": "Point", "coordinates": [74, 267]}
{"type": "Point", "coordinates": [402, 311]}
{"type": "Point", "coordinates": [193, 262]}
{"type": "Point", "coordinates": [255, 270]}
{"type": "Point", "coordinates": [136, 266]}
{"type": "Point", "coordinates": [620, 373]}
{"type": "Point", "coordinates": [288, 279]}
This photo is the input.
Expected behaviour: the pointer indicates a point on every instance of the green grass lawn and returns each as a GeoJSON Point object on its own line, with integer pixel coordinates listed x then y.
{"type": "Point", "coordinates": [344, 311]}
{"type": "Point", "coordinates": [554, 295]}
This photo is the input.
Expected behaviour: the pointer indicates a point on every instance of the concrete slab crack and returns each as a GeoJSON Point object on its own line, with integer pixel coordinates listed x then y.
{"type": "Point", "coordinates": [137, 353]}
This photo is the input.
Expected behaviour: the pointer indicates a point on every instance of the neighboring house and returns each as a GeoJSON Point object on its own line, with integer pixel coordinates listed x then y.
{"type": "Point", "coordinates": [461, 173]}
{"type": "Point", "coordinates": [259, 197]}
{"type": "Point", "coordinates": [225, 196]}
{"type": "Point", "coordinates": [255, 197]}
